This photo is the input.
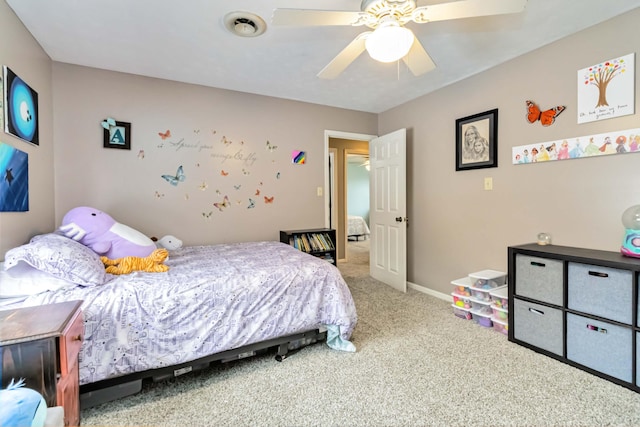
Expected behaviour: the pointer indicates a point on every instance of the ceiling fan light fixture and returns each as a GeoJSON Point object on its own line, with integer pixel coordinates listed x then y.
{"type": "Point", "coordinates": [389, 42]}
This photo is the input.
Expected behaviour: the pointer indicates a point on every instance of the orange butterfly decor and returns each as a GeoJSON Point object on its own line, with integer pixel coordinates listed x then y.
{"type": "Point", "coordinates": [223, 173]}
{"type": "Point", "coordinates": [268, 199]}
{"type": "Point", "coordinates": [546, 117]}
{"type": "Point", "coordinates": [165, 135]}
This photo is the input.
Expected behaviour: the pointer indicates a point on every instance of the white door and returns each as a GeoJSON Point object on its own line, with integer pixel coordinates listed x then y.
{"type": "Point", "coordinates": [388, 217]}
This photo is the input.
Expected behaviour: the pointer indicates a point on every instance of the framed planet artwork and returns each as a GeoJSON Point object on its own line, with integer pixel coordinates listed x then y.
{"type": "Point", "coordinates": [20, 108]}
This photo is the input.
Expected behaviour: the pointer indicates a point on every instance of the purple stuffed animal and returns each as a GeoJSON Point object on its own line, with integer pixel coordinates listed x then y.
{"type": "Point", "coordinates": [103, 234]}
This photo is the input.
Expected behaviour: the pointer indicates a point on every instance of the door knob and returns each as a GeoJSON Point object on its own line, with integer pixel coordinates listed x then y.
{"type": "Point", "coordinates": [400, 219]}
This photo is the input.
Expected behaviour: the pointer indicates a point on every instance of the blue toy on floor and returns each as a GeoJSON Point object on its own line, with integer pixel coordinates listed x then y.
{"type": "Point", "coordinates": [21, 406]}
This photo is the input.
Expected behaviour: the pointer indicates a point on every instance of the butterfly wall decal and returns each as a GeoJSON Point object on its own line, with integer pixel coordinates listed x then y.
{"type": "Point", "coordinates": [223, 204]}
{"type": "Point", "coordinates": [223, 173]}
{"type": "Point", "coordinates": [268, 199]}
{"type": "Point", "coordinates": [107, 123]}
{"type": "Point", "coordinates": [546, 117]}
{"type": "Point", "coordinates": [175, 179]}
{"type": "Point", "coordinates": [252, 204]}
{"type": "Point", "coordinates": [165, 135]}
{"type": "Point", "coordinates": [271, 147]}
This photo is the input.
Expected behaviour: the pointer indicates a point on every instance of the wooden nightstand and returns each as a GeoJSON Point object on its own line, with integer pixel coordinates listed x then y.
{"type": "Point", "coordinates": [41, 345]}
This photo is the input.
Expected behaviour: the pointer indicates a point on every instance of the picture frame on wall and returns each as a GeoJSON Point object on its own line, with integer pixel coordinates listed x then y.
{"type": "Point", "coordinates": [477, 141]}
{"type": "Point", "coordinates": [118, 136]}
{"type": "Point", "coordinates": [20, 108]}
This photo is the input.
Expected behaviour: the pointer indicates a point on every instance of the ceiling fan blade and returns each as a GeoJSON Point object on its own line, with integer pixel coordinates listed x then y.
{"type": "Point", "coordinates": [344, 58]}
{"type": "Point", "coordinates": [309, 17]}
{"type": "Point", "coordinates": [466, 9]}
{"type": "Point", "coordinates": [418, 60]}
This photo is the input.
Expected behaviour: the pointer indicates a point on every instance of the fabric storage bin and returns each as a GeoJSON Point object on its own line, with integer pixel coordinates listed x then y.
{"type": "Point", "coordinates": [461, 301]}
{"type": "Point", "coordinates": [601, 291]}
{"type": "Point", "coordinates": [500, 326]}
{"type": "Point", "coordinates": [538, 325]}
{"type": "Point", "coordinates": [461, 286]}
{"type": "Point", "coordinates": [539, 278]}
{"type": "Point", "coordinates": [500, 297]}
{"type": "Point", "coordinates": [482, 319]}
{"type": "Point", "coordinates": [487, 279]}
{"type": "Point", "coordinates": [480, 294]}
{"type": "Point", "coordinates": [463, 313]}
{"type": "Point", "coordinates": [600, 345]}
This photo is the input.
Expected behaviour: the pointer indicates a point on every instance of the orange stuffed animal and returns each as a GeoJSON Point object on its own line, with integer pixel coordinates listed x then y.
{"type": "Point", "coordinates": [151, 264]}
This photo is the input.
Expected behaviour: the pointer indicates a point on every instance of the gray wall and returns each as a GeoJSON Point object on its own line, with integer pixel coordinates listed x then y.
{"type": "Point", "coordinates": [220, 138]}
{"type": "Point", "coordinates": [20, 52]}
{"type": "Point", "coordinates": [455, 226]}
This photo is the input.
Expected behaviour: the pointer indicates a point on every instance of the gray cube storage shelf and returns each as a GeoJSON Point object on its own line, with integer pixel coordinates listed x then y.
{"type": "Point", "coordinates": [579, 306]}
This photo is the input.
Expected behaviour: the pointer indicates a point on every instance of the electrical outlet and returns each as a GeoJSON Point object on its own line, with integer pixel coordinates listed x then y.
{"type": "Point", "coordinates": [488, 183]}
{"type": "Point", "coordinates": [319, 191]}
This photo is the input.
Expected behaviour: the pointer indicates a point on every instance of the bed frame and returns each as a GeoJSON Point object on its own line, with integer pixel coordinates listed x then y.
{"type": "Point", "coordinates": [93, 394]}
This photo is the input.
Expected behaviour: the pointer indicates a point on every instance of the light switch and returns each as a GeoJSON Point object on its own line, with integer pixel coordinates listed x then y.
{"type": "Point", "coordinates": [488, 183]}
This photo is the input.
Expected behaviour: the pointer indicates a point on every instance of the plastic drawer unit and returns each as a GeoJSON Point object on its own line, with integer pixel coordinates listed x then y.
{"type": "Point", "coordinates": [599, 345]}
{"type": "Point", "coordinates": [539, 278]}
{"type": "Point", "coordinates": [538, 325]}
{"type": "Point", "coordinates": [601, 291]}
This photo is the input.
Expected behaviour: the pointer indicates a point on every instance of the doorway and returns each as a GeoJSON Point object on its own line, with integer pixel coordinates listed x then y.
{"type": "Point", "coordinates": [357, 205]}
{"type": "Point", "coordinates": [340, 143]}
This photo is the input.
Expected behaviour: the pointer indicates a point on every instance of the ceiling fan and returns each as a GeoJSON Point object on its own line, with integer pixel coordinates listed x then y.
{"type": "Point", "coordinates": [390, 40]}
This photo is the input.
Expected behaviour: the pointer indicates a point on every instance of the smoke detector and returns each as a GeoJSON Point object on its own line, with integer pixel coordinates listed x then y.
{"type": "Point", "coordinates": [244, 24]}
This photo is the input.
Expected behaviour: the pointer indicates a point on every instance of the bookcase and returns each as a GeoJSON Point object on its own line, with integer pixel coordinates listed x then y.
{"type": "Point", "coordinates": [319, 242]}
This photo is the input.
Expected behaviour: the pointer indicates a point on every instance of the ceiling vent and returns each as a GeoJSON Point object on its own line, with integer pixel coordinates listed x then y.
{"type": "Point", "coordinates": [244, 24]}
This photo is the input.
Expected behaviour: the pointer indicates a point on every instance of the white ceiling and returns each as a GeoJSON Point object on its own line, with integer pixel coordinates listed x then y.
{"type": "Point", "coordinates": [187, 41]}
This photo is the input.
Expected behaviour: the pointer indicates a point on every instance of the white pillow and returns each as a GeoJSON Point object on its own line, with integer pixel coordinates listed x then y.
{"type": "Point", "coordinates": [61, 257]}
{"type": "Point", "coordinates": [24, 280]}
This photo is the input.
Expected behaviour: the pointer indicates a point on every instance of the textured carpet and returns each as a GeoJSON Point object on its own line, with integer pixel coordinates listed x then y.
{"type": "Point", "coordinates": [416, 364]}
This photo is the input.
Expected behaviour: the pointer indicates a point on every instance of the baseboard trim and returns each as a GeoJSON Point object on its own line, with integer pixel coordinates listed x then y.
{"type": "Point", "coordinates": [425, 290]}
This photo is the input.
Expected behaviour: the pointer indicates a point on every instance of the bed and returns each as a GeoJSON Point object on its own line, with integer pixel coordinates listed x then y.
{"type": "Point", "coordinates": [216, 303]}
{"type": "Point", "coordinates": [357, 227]}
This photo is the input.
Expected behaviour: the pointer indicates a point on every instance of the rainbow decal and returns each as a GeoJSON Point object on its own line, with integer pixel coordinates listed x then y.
{"type": "Point", "coordinates": [299, 157]}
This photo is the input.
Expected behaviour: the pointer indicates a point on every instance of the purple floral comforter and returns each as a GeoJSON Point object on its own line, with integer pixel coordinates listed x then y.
{"type": "Point", "coordinates": [212, 299]}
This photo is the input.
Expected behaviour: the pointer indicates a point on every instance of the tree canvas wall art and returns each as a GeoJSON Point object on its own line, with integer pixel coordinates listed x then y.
{"type": "Point", "coordinates": [606, 90]}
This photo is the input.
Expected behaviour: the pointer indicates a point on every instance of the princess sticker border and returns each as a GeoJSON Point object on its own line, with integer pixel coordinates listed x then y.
{"type": "Point", "coordinates": [603, 144]}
